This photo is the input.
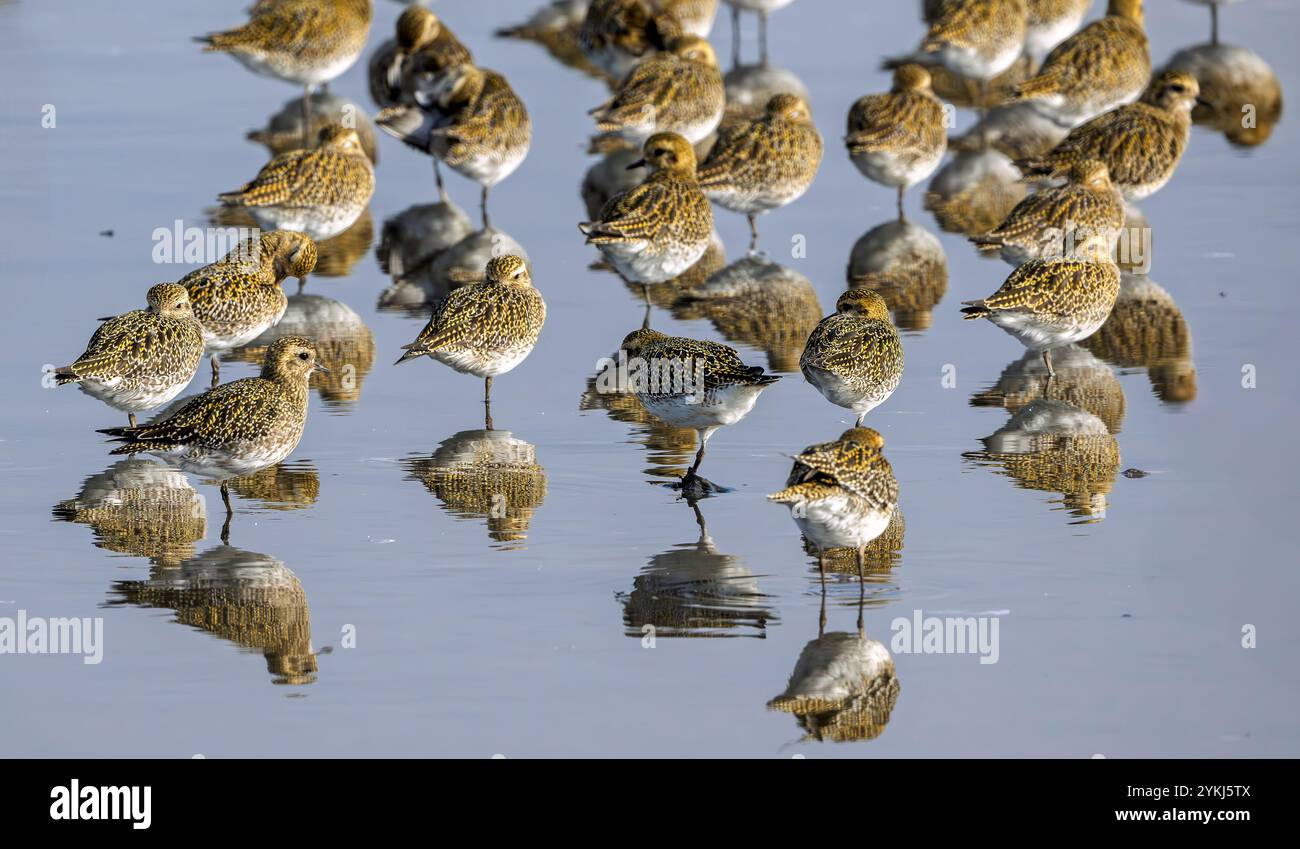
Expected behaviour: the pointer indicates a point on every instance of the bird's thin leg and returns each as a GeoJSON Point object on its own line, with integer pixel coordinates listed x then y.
{"type": "Point", "coordinates": [645, 293]}
{"type": "Point", "coordinates": [862, 602]}
{"type": "Point", "coordinates": [225, 499]}
{"type": "Point", "coordinates": [735, 36]}
{"type": "Point", "coordinates": [1214, 23]}
{"type": "Point", "coordinates": [302, 283]}
{"type": "Point", "coordinates": [131, 418]}
{"type": "Point", "coordinates": [483, 206]}
{"type": "Point", "coordinates": [1047, 361]}
{"type": "Point", "coordinates": [821, 614]}
{"type": "Point", "coordinates": [902, 216]}
{"type": "Point", "coordinates": [861, 418]}
{"type": "Point", "coordinates": [437, 178]}
{"type": "Point", "coordinates": [645, 322]}
{"type": "Point", "coordinates": [821, 573]}
{"type": "Point", "coordinates": [216, 370]}
{"type": "Point", "coordinates": [487, 402]}
{"type": "Point", "coordinates": [699, 458]}
{"type": "Point", "coordinates": [753, 232]}
{"type": "Point", "coordinates": [862, 563]}
{"type": "Point", "coordinates": [762, 38]}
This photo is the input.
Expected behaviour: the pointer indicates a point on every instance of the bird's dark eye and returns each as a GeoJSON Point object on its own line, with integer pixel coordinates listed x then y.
{"type": "Point", "coordinates": [1179, 89]}
{"type": "Point", "coordinates": [303, 355]}
{"type": "Point", "coordinates": [661, 152]}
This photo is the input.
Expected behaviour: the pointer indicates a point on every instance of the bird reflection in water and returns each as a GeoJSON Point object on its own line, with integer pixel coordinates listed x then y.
{"type": "Point", "coordinates": [344, 342]}
{"type": "Point", "coordinates": [142, 508]}
{"type": "Point", "coordinates": [1055, 446]}
{"type": "Point", "coordinates": [757, 302]}
{"type": "Point", "coordinates": [284, 130]}
{"type": "Point", "coordinates": [1016, 130]}
{"type": "Point", "coordinates": [905, 264]}
{"type": "Point", "coordinates": [693, 590]}
{"type": "Point", "coordinates": [284, 486]}
{"type": "Point", "coordinates": [750, 87]}
{"type": "Point", "coordinates": [250, 599]}
{"type": "Point", "coordinates": [844, 686]}
{"type": "Point", "coordinates": [555, 26]}
{"type": "Point", "coordinates": [409, 243]}
{"type": "Point", "coordinates": [1240, 96]}
{"type": "Point", "coordinates": [463, 262]}
{"type": "Point", "coordinates": [1147, 330]}
{"type": "Point", "coordinates": [1081, 380]}
{"type": "Point", "coordinates": [485, 474]}
{"type": "Point", "coordinates": [974, 192]}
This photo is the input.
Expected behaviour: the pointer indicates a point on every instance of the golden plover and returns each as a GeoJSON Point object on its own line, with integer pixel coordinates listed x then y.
{"type": "Point", "coordinates": [678, 91]}
{"type": "Point", "coordinates": [854, 356]}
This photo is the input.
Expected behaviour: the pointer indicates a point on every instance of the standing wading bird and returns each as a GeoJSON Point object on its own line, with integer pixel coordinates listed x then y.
{"type": "Point", "coordinates": [657, 230]}
{"type": "Point", "coordinates": [764, 164]}
{"type": "Point", "coordinates": [1053, 302]}
{"type": "Point", "coordinates": [300, 41]}
{"type": "Point", "coordinates": [237, 428]}
{"type": "Point", "coordinates": [1140, 143]}
{"type": "Point", "coordinates": [677, 91]}
{"type": "Point", "coordinates": [764, 8]}
{"type": "Point", "coordinates": [421, 36]}
{"type": "Point", "coordinates": [486, 328]}
{"type": "Point", "coordinates": [1214, 15]}
{"type": "Point", "coordinates": [467, 116]}
{"type": "Point", "coordinates": [141, 359]}
{"type": "Point", "coordinates": [973, 38]}
{"type": "Point", "coordinates": [320, 191]}
{"type": "Point", "coordinates": [1047, 220]}
{"type": "Point", "coordinates": [899, 138]}
{"type": "Point", "coordinates": [239, 297]}
{"type": "Point", "coordinates": [1105, 64]}
{"type": "Point", "coordinates": [708, 386]}
{"type": "Point", "coordinates": [842, 494]}
{"type": "Point", "coordinates": [854, 356]}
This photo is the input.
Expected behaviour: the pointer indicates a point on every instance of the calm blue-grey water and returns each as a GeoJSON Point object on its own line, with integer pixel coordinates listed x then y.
{"type": "Point", "coordinates": [1120, 601]}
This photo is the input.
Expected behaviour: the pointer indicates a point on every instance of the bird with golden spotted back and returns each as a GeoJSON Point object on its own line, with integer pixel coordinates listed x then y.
{"type": "Point", "coordinates": [763, 164]}
{"type": "Point", "coordinates": [677, 91]}
{"type": "Point", "coordinates": [842, 494]}
{"type": "Point", "coordinates": [485, 329]}
{"type": "Point", "coordinates": [319, 191]}
{"type": "Point", "coordinates": [1052, 302]}
{"type": "Point", "coordinates": [1104, 65]}
{"type": "Point", "coordinates": [692, 383]}
{"type": "Point", "coordinates": [1047, 220]}
{"type": "Point", "coordinates": [141, 359]}
{"type": "Point", "coordinates": [239, 297]}
{"type": "Point", "coordinates": [618, 35]}
{"type": "Point", "coordinates": [418, 31]}
{"type": "Point", "coordinates": [236, 428]}
{"type": "Point", "coordinates": [469, 118]}
{"type": "Point", "coordinates": [899, 138]}
{"type": "Point", "coordinates": [854, 356]}
{"type": "Point", "coordinates": [300, 41]}
{"type": "Point", "coordinates": [1140, 143]}
{"type": "Point", "coordinates": [978, 39]}
{"type": "Point", "coordinates": [659, 229]}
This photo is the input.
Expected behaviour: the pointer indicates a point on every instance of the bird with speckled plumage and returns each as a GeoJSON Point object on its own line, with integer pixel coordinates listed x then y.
{"type": "Point", "coordinates": [677, 91]}
{"type": "Point", "coordinates": [763, 164]}
{"type": "Point", "coordinates": [1140, 143]}
{"type": "Point", "coordinates": [418, 31]}
{"type": "Point", "coordinates": [468, 117]}
{"type": "Point", "coordinates": [657, 230]}
{"type": "Point", "coordinates": [1105, 64]}
{"type": "Point", "coordinates": [1052, 302]}
{"type": "Point", "coordinates": [239, 297]}
{"type": "Point", "coordinates": [708, 385]}
{"type": "Point", "coordinates": [978, 39]}
{"type": "Point", "coordinates": [485, 329]}
{"type": "Point", "coordinates": [320, 191]}
{"type": "Point", "coordinates": [841, 494]}
{"type": "Point", "coordinates": [141, 359]}
{"type": "Point", "coordinates": [899, 138]}
{"type": "Point", "coordinates": [300, 41]}
{"type": "Point", "coordinates": [1047, 220]}
{"type": "Point", "coordinates": [1050, 22]}
{"type": "Point", "coordinates": [618, 35]}
{"type": "Point", "coordinates": [854, 356]}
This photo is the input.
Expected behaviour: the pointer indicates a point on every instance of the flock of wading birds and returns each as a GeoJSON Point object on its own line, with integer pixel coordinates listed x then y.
{"type": "Point", "coordinates": [1116, 132]}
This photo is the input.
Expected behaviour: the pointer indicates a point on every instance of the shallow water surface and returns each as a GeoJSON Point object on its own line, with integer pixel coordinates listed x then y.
{"type": "Point", "coordinates": [411, 584]}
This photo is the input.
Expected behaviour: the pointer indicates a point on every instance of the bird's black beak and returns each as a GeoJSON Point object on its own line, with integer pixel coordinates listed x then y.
{"type": "Point", "coordinates": [1201, 101]}
{"type": "Point", "coordinates": [322, 369]}
{"type": "Point", "coordinates": [640, 163]}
